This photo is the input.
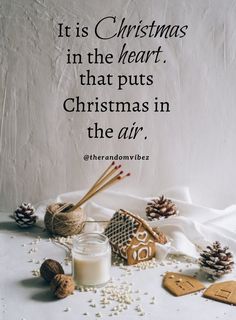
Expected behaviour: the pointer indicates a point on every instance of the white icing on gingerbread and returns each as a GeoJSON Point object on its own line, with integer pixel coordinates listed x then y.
{"type": "Point", "coordinates": [134, 255]}
{"type": "Point", "coordinates": [141, 251]}
{"type": "Point", "coordinates": [150, 251]}
{"type": "Point", "coordinates": [141, 236]}
{"type": "Point", "coordinates": [141, 244]}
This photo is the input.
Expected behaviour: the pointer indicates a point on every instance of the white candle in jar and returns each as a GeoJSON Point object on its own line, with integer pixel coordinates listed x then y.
{"type": "Point", "coordinates": [91, 259]}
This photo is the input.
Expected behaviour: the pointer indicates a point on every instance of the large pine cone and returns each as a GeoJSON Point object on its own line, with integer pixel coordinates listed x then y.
{"type": "Point", "coordinates": [216, 260]}
{"type": "Point", "coordinates": [161, 208]}
{"type": "Point", "coordinates": [25, 215]}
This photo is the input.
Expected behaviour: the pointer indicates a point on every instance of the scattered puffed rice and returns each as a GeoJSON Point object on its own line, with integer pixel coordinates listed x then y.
{"type": "Point", "coordinates": [67, 309]}
{"type": "Point", "coordinates": [98, 315]}
{"type": "Point", "coordinates": [35, 273]}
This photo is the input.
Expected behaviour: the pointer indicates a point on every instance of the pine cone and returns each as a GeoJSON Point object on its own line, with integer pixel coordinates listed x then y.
{"type": "Point", "coordinates": [25, 215]}
{"type": "Point", "coordinates": [216, 261]}
{"type": "Point", "coordinates": [161, 208]}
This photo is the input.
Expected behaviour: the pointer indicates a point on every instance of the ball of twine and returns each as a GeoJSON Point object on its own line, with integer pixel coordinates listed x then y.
{"type": "Point", "coordinates": [64, 223]}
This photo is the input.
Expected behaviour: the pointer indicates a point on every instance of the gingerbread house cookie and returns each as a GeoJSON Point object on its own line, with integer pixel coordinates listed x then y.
{"type": "Point", "coordinates": [222, 292]}
{"type": "Point", "coordinates": [131, 237]}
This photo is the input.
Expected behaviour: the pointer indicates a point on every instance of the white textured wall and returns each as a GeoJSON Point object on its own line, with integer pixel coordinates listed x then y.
{"type": "Point", "coordinates": [41, 146]}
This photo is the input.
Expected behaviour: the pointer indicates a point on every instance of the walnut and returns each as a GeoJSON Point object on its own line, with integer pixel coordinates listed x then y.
{"type": "Point", "coordinates": [62, 286]}
{"type": "Point", "coordinates": [162, 237]}
{"type": "Point", "coordinates": [50, 268]}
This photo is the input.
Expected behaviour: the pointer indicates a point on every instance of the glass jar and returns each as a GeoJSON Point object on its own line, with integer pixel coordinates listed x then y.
{"type": "Point", "coordinates": [91, 263]}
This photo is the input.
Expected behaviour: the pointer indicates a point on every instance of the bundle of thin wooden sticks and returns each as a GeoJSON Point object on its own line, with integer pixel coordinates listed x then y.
{"type": "Point", "coordinates": [108, 178]}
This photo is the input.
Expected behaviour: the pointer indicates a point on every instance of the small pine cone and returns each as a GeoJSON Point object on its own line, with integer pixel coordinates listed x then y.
{"type": "Point", "coordinates": [161, 208]}
{"type": "Point", "coordinates": [25, 215]}
{"type": "Point", "coordinates": [216, 260]}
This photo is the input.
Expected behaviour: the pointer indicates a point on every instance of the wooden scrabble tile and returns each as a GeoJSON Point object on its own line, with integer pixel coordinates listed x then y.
{"type": "Point", "coordinates": [180, 284]}
{"type": "Point", "coordinates": [222, 291]}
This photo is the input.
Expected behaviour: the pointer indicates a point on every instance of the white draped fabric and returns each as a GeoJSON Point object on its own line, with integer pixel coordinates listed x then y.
{"type": "Point", "coordinates": [194, 227]}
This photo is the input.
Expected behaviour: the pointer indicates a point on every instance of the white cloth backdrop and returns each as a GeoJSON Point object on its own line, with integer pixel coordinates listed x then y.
{"type": "Point", "coordinates": [196, 226]}
{"type": "Point", "coordinates": [42, 147]}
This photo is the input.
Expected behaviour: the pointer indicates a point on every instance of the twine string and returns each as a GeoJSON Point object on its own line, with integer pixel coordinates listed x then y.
{"type": "Point", "coordinates": [63, 223]}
